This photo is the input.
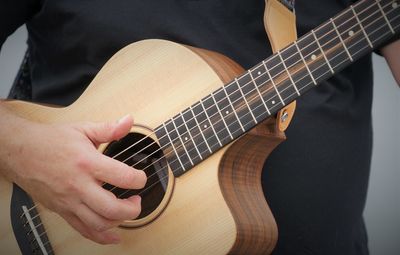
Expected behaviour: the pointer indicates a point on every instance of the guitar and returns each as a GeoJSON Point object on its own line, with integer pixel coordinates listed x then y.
{"type": "Point", "coordinates": [202, 141]}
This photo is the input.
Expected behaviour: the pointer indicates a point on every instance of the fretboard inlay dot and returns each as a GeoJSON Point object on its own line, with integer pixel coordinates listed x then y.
{"type": "Point", "coordinates": [238, 106]}
{"type": "Point", "coordinates": [313, 57]}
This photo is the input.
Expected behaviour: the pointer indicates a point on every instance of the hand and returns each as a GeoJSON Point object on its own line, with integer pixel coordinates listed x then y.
{"type": "Point", "coordinates": [59, 166]}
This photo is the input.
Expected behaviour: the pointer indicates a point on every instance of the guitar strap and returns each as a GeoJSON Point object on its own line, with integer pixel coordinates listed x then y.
{"type": "Point", "coordinates": [280, 25]}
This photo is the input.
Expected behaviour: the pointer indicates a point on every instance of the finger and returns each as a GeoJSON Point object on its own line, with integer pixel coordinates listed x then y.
{"type": "Point", "coordinates": [108, 131]}
{"type": "Point", "coordinates": [107, 205]}
{"type": "Point", "coordinates": [93, 220]}
{"type": "Point", "coordinates": [118, 174]}
{"type": "Point", "coordinates": [105, 237]}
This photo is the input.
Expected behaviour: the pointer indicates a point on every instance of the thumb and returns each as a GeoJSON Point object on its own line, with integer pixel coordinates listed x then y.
{"type": "Point", "coordinates": [108, 131]}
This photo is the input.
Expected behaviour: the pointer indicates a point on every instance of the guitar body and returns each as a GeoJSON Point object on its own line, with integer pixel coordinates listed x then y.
{"type": "Point", "coordinates": [217, 207]}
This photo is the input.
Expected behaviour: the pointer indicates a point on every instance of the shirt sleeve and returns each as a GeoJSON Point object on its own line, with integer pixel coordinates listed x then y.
{"type": "Point", "coordinates": [14, 13]}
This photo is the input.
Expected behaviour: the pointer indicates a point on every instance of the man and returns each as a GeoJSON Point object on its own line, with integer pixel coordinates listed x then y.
{"type": "Point", "coordinates": [315, 182]}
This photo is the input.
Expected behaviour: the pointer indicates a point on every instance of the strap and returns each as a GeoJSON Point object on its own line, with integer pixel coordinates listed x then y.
{"type": "Point", "coordinates": [280, 25]}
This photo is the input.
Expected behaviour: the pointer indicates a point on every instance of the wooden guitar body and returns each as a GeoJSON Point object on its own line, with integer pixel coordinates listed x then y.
{"type": "Point", "coordinates": [215, 204]}
{"type": "Point", "coordinates": [217, 207]}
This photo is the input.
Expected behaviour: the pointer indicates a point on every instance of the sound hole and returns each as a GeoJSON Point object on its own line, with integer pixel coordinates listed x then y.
{"type": "Point", "coordinates": [143, 153]}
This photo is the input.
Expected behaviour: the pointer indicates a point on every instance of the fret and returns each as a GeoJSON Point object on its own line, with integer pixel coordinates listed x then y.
{"type": "Point", "coordinates": [234, 110]}
{"type": "Point", "coordinates": [184, 138]}
{"type": "Point", "coordinates": [258, 91]}
{"type": "Point", "coordinates": [215, 120]}
{"type": "Point", "coordinates": [331, 44]}
{"type": "Point", "coordinates": [322, 51]}
{"type": "Point", "coordinates": [169, 150]}
{"type": "Point", "coordinates": [177, 146]}
{"type": "Point", "coordinates": [222, 116]}
{"type": "Point", "coordinates": [351, 33]}
{"type": "Point", "coordinates": [229, 116]}
{"type": "Point", "coordinates": [273, 84]}
{"type": "Point", "coordinates": [392, 11]}
{"type": "Point", "coordinates": [373, 21]}
{"type": "Point", "coordinates": [384, 16]}
{"type": "Point", "coordinates": [288, 73]}
{"type": "Point", "coordinates": [299, 72]}
{"type": "Point", "coordinates": [206, 127]}
{"type": "Point", "coordinates": [245, 100]}
{"type": "Point", "coordinates": [341, 39]}
{"type": "Point", "coordinates": [255, 102]}
{"type": "Point", "coordinates": [241, 109]}
{"type": "Point", "coordinates": [305, 63]}
{"type": "Point", "coordinates": [269, 95]}
{"type": "Point", "coordinates": [313, 56]}
{"type": "Point", "coordinates": [189, 132]}
{"type": "Point", "coordinates": [362, 27]}
{"type": "Point", "coordinates": [195, 132]}
{"type": "Point", "coordinates": [200, 129]}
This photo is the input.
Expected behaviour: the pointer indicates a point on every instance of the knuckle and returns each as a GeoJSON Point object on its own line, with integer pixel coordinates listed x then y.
{"type": "Point", "coordinates": [72, 187]}
{"type": "Point", "coordinates": [83, 163]}
{"type": "Point", "coordinates": [100, 227]}
{"type": "Point", "coordinates": [126, 177]}
{"type": "Point", "coordinates": [107, 127]}
{"type": "Point", "coordinates": [109, 212]}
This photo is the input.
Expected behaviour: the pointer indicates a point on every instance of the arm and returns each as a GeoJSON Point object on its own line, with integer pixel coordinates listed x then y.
{"type": "Point", "coordinates": [66, 175]}
{"type": "Point", "coordinates": [391, 53]}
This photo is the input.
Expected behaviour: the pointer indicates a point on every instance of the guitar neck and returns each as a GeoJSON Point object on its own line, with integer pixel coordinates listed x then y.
{"type": "Point", "coordinates": [229, 112]}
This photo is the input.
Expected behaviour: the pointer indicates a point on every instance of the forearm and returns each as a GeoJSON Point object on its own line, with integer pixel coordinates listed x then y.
{"type": "Point", "coordinates": [11, 126]}
{"type": "Point", "coordinates": [392, 55]}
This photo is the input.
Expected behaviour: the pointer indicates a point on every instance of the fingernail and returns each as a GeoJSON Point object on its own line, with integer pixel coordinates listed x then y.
{"type": "Point", "coordinates": [124, 118]}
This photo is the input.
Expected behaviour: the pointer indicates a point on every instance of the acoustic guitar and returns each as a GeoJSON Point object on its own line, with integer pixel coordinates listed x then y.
{"type": "Point", "coordinates": [198, 138]}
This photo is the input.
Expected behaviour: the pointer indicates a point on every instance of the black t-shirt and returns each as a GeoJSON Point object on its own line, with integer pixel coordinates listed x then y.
{"type": "Point", "coordinates": [315, 182]}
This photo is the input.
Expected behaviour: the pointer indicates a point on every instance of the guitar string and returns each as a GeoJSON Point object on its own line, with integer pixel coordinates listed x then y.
{"type": "Point", "coordinates": [318, 28]}
{"type": "Point", "coordinates": [221, 110]}
{"type": "Point", "coordinates": [227, 85]}
{"type": "Point", "coordinates": [164, 168]}
{"type": "Point", "coordinates": [290, 86]}
{"type": "Point", "coordinates": [383, 35]}
{"type": "Point", "coordinates": [323, 25]}
{"type": "Point", "coordinates": [250, 92]}
{"type": "Point", "coordinates": [325, 72]}
{"type": "Point", "coordinates": [311, 62]}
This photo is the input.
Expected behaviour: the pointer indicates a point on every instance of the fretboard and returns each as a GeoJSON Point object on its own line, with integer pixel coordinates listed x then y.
{"type": "Point", "coordinates": [216, 120]}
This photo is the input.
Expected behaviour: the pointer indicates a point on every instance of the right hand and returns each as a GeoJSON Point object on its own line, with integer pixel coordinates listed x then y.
{"type": "Point", "coordinates": [60, 167]}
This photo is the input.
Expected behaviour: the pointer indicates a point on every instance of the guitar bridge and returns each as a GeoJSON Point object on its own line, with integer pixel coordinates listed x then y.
{"type": "Point", "coordinates": [35, 232]}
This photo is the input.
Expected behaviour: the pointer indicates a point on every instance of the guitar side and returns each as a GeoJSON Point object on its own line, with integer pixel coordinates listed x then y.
{"type": "Point", "coordinates": [153, 80]}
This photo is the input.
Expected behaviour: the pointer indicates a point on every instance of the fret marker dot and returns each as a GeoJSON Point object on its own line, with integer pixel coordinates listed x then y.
{"type": "Point", "coordinates": [186, 138]}
{"type": "Point", "coordinates": [313, 57]}
{"type": "Point", "coordinates": [205, 126]}
{"type": "Point", "coordinates": [394, 5]}
{"type": "Point", "coordinates": [273, 101]}
{"type": "Point", "coordinates": [227, 112]}
{"type": "Point", "coordinates": [351, 33]}
{"type": "Point", "coordinates": [259, 73]}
